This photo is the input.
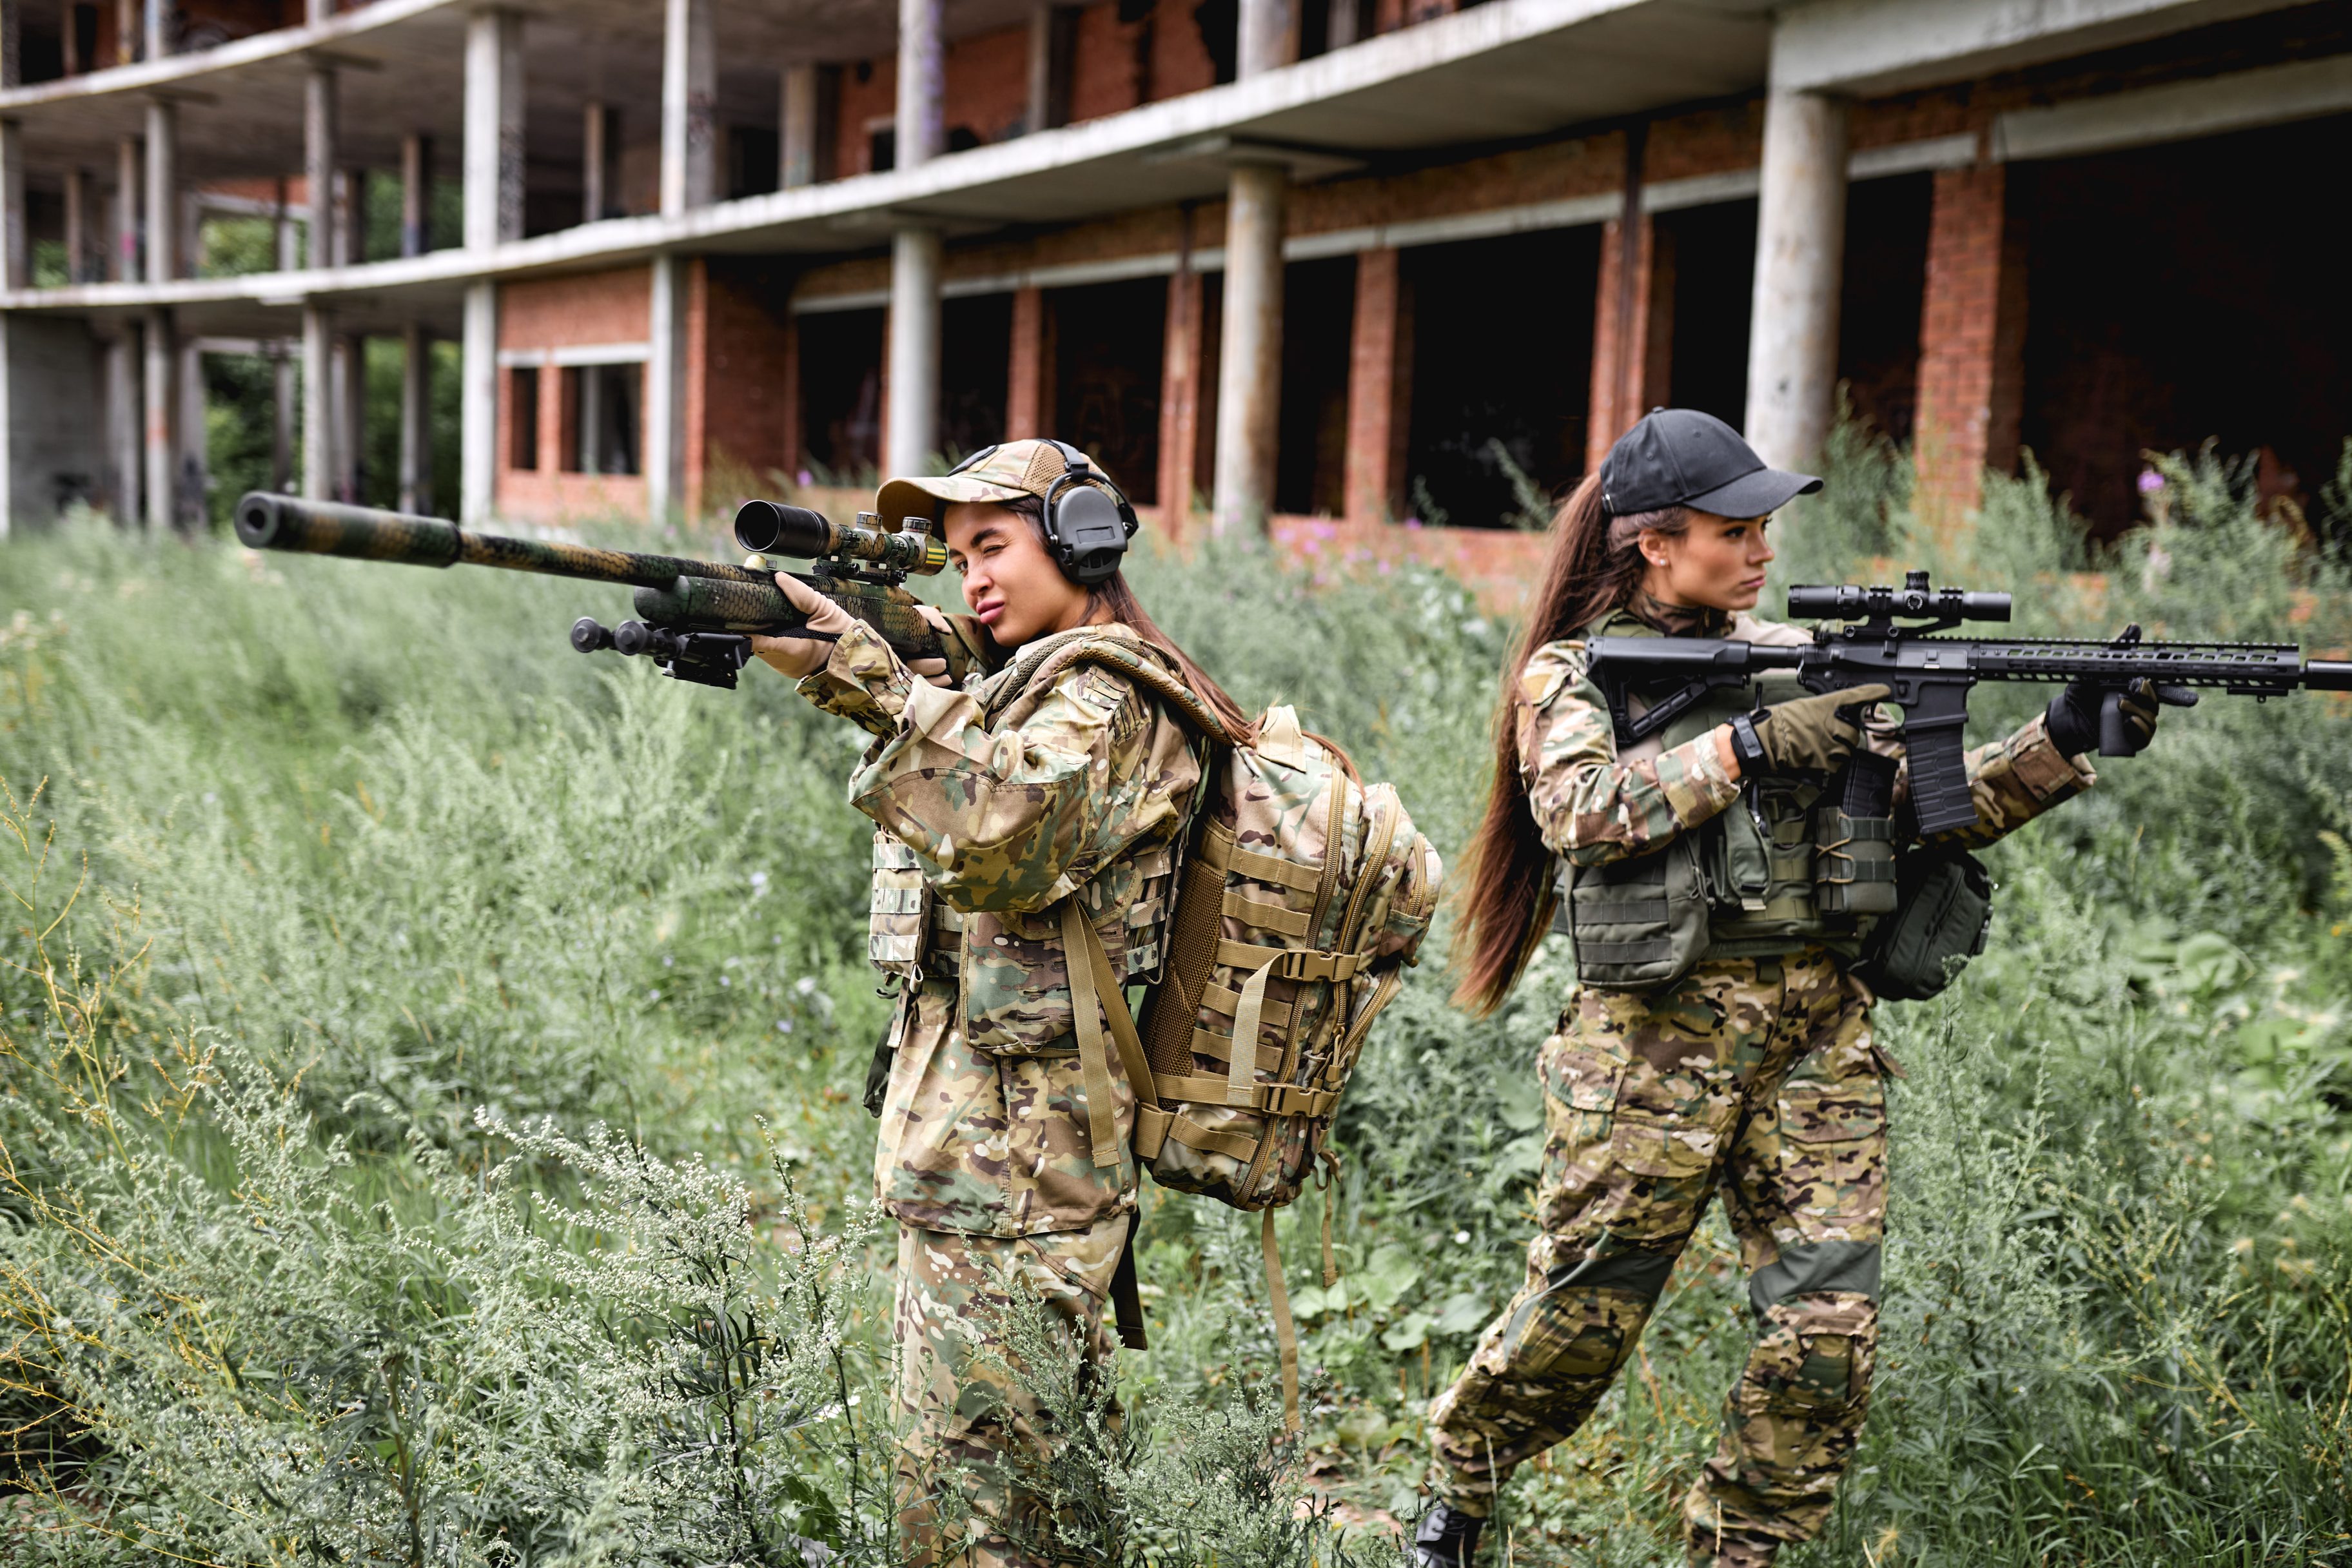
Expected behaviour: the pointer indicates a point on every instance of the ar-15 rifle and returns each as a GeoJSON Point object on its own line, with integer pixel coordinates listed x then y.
{"type": "Point", "coordinates": [1931, 675]}
{"type": "Point", "coordinates": [697, 617]}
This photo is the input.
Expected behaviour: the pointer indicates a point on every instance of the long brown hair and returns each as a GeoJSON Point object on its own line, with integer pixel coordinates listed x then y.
{"type": "Point", "coordinates": [1595, 565]}
{"type": "Point", "coordinates": [1119, 599]}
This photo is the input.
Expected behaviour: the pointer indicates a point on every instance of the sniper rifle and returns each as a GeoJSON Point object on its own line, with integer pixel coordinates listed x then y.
{"type": "Point", "coordinates": [696, 618]}
{"type": "Point", "coordinates": [1888, 639]}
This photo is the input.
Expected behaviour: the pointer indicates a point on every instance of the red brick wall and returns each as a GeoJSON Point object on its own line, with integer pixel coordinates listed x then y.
{"type": "Point", "coordinates": [1620, 378]}
{"type": "Point", "coordinates": [582, 309]}
{"type": "Point", "coordinates": [740, 397]}
{"type": "Point", "coordinates": [566, 313]}
{"type": "Point", "coordinates": [1029, 369]}
{"type": "Point", "coordinates": [988, 82]}
{"type": "Point", "coordinates": [874, 98]}
{"type": "Point", "coordinates": [1379, 381]}
{"type": "Point", "coordinates": [1972, 342]}
{"type": "Point", "coordinates": [1110, 61]}
{"type": "Point", "coordinates": [1182, 372]}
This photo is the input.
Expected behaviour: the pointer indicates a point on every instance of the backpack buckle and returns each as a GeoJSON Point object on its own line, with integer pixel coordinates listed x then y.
{"type": "Point", "coordinates": [1309, 964]}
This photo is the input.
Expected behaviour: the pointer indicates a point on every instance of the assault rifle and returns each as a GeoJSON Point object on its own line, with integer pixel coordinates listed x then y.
{"type": "Point", "coordinates": [696, 618]}
{"type": "Point", "coordinates": [1889, 640]}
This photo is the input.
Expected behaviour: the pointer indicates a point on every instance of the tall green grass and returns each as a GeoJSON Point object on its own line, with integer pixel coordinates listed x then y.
{"type": "Point", "coordinates": [382, 899]}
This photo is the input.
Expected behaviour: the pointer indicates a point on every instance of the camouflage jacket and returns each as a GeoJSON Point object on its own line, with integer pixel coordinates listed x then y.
{"type": "Point", "coordinates": [1593, 807]}
{"type": "Point", "coordinates": [1081, 787]}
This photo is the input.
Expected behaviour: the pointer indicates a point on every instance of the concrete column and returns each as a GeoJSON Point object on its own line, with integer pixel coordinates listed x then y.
{"type": "Point", "coordinates": [588, 424]}
{"type": "Point", "coordinates": [346, 399]}
{"type": "Point", "coordinates": [1041, 66]}
{"type": "Point", "coordinates": [1345, 17]}
{"type": "Point", "coordinates": [125, 405]}
{"type": "Point", "coordinates": [319, 461]}
{"type": "Point", "coordinates": [494, 150]}
{"type": "Point", "coordinates": [1624, 310]}
{"type": "Point", "coordinates": [1249, 368]}
{"type": "Point", "coordinates": [911, 379]}
{"type": "Point", "coordinates": [416, 420]}
{"type": "Point", "coordinates": [689, 156]}
{"type": "Point", "coordinates": [130, 31]}
{"type": "Point", "coordinates": [282, 436]}
{"type": "Point", "coordinates": [415, 194]}
{"type": "Point", "coordinates": [597, 147]}
{"type": "Point", "coordinates": [317, 11]}
{"type": "Point", "coordinates": [130, 206]}
{"type": "Point", "coordinates": [478, 407]}
{"type": "Point", "coordinates": [1267, 37]}
{"type": "Point", "coordinates": [163, 191]}
{"type": "Point", "coordinates": [194, 448]}
{"type": "Point", "coordinates": [922, 84]}
{"type": "Point", "coordinates": [664, 438]}
{"type": "Point", "coordinates": [350, 241]}
{"type": "Point", "coordinates": [15, 268]}
{"type": "Point", "coordinates": [1180, 397]}
{"type": "Point", "coordinates": [79, 212]}
{"type": "Point", "coordinates": [161, 438]}
{"type": "Point", "coordinates": [320, 124]}
{"type": "Point", "coordinates": [796, 157]}
{"type": "Point", "coordinates": [1028, 387]}
{"type": "Point", "coordinates": [1800, 264]}
{"type": "Point", "coordinates": [1379, 383]}
{"type": "Point", "coordinates": [1971, 342]}
{"type": "Point", "coordinates": [12, 74]}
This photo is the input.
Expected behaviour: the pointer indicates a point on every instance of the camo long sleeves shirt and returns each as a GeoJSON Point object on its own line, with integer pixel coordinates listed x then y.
{"type": "Point", "coordinates": [1593, 806]}
{"type": "Point", "coordinates": [1081, 788]}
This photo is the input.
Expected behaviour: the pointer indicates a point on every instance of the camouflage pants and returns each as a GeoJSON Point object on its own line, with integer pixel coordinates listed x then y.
{"type": "Point", "coordinates": [1756, 1078]}
{"type": "Point", "coordinates": [960, 1414]}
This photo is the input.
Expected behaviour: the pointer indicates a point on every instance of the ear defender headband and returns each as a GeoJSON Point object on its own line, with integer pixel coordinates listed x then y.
{"type": "Point", "coordinates": [1088, 518]}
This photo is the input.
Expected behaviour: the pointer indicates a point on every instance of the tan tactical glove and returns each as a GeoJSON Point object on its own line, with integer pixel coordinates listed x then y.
{"type": "Point", "coordinates": [1811, 734]}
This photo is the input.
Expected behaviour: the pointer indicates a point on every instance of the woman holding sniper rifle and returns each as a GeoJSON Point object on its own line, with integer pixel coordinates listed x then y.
{"type": "Point", "coordinates": [1721, 878]}
{"type": "Point", "coordinates": [1002, 1161]}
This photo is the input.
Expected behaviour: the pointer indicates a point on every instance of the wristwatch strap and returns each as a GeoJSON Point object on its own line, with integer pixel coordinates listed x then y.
{"type": "Point", "coordinates": [1745, 744]}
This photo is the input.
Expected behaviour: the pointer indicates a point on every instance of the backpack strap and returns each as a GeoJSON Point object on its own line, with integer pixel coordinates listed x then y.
{"type": "Point", "coordinates": [1044, 661]}
{"type": "Point", "coordinates": [1094, 995]}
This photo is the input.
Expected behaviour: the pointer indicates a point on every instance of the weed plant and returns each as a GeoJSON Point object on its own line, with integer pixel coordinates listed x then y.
{"type": "Point", "coordinates": [347, 904]}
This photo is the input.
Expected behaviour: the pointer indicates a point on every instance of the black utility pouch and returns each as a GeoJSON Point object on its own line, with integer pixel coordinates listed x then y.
{"type": "Point", "coordinates": [1943, 911]}
{"type": "Point", "coordinates": [1637, 924]}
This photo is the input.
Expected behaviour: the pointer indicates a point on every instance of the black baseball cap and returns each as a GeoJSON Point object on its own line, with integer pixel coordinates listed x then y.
{"type": "Point", "coordinates": [1679, 457]}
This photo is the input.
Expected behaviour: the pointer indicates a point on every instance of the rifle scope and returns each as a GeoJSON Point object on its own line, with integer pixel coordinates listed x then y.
{"type": "Point", "coordinates": [1914, 600]}
{"type": "Point", "coordinates": [771, 528]}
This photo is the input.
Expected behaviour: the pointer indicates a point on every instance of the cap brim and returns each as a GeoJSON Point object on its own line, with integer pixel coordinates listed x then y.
{"type": "Point", "coordinates": [1755, 494]}
{"type": "Point", "coordinates": [915, 498]}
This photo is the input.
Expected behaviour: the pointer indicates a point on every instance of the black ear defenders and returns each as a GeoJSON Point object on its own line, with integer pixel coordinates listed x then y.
{"type": "Point", "coordinates": [1088, 518]}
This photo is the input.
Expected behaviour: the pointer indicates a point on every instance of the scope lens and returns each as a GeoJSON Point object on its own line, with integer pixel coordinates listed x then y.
{"type": "Point", "coordinates": [771, 528]}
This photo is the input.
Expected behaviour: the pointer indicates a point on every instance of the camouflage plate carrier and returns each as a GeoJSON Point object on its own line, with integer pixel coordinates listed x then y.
{"type": "Point", "coordinates": [1303, 895]}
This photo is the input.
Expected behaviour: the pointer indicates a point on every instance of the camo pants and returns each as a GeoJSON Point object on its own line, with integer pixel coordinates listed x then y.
{"type": "Point", "coordinates": [1756, 1078]}
{"type": "Point", "coordinates": [962, 1406]}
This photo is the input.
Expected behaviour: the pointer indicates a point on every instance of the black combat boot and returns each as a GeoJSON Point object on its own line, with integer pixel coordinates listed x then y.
{"type": "Point", "coordinates": [1446, 1539]}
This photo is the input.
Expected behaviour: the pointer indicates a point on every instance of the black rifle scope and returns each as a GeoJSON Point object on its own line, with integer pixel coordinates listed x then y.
{"type": "Point", "coordinates": [771, 528]}
{"type": "Point", "coordinates": [1915, 599]}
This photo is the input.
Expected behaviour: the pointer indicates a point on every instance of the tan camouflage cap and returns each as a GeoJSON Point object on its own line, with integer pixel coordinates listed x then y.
{"type": "Point", "coordinates": [1004, 473]}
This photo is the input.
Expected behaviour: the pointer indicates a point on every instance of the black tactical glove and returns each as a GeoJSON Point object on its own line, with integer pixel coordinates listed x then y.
{"type": "Point", "coordinates": [2114, 720]}
{"type": "Point", "coordinates": [1812, 734]}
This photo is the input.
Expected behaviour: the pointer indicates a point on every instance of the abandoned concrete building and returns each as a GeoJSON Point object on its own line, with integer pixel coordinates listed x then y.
{"type": "Point", "coordinates": [1360, 260]}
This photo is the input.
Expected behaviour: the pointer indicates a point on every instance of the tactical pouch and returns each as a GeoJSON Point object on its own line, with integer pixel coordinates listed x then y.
{"type": "Point", "coordinates": [1943, 911]}
{"type": "Point", "coordinates": [1638, 923]}
{"type": "Point", "coordinates": [1853, 840]}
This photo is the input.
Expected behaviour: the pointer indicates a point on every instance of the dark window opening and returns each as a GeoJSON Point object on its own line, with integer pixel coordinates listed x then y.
{"type": "Point", "coordinates": [752, 151]}
{"type": "Point", "coordinates": [601, 422]}
{"type": "Point", "coordinates": [882, 150]}
{"type": "Point", "coordinates": [522, 417]}
{"type": "Point", "coordinates": [1219, 22]}
{"type": "Point", "coordinates": [2220, 327]}
{"type": "Point", "coordinates": [84, 57]}
{"type": "Point", "coordinates": [1523, 381]}
{"type": "Point", "coordinates": [1109, 342]}
{"type": "Point", "coordinates": [1878, 310]}
{"type": "Point", "coordinates": [975, 335]}
{"type": "Point", "coordinates": [841, 392]}
{"type": "Point", "coordinates": [1706, 258]}
{"type": "Point", "coordinates": [1318, 307]}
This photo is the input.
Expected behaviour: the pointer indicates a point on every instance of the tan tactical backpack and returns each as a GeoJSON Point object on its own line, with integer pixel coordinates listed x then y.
{"type": "Point", "coordinates": [1302, 895]}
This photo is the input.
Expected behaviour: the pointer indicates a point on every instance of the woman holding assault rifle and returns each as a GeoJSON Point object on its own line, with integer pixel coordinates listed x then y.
{"type": "Point", "coordinates": [1719, 1039]}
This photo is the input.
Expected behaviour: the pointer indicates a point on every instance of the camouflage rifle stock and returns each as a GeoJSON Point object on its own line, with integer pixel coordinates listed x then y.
{"type": "Point", "coordinates": [697, 617]}
{"type": "Point", "coordinates": [1931, 675]}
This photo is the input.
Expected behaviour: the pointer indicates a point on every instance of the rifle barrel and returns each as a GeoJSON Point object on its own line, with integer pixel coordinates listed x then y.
{"type": "Point", "coordinates": [267, 522]}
